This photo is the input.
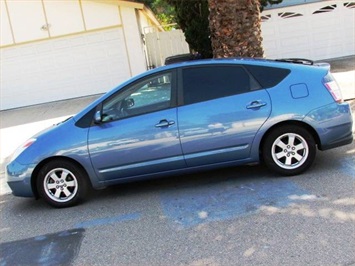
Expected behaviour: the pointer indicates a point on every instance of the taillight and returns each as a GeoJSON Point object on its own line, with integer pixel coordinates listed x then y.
{"type": "Point", "coordinates": [333, 88]}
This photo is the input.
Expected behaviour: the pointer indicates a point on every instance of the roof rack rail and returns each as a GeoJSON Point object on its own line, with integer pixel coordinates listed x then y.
{"type": "Point", "coordinates": [182, 58]}
{"type": "Point", "coordinates": [302, 61]}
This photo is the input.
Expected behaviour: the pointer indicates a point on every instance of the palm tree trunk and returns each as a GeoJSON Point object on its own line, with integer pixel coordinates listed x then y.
{"type": "Point", "coordinates": [235, 28]}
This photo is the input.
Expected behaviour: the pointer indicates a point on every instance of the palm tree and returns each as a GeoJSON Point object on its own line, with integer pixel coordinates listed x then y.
{"type": "Point", "coordinates": [235, 27]}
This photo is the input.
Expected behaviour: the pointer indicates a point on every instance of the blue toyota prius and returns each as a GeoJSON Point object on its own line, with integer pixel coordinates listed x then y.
{"type": "Point", "coordinates": [185, 117]}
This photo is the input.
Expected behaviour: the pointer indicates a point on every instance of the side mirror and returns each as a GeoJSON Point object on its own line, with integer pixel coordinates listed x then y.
{"type": "Point", "coordinates": [98, 117]}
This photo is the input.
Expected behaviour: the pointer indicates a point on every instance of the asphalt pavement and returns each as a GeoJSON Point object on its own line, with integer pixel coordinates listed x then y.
{"type": "Point", "coordinates": [238, 216]}
{"type": "Point", "coordinates": [18, 125]}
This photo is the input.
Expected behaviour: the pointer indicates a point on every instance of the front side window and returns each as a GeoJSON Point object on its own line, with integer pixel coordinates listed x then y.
{"type": "Point", "coordinates": [150, 95]}
{"type": "Point", "coordinates": [212, 82]}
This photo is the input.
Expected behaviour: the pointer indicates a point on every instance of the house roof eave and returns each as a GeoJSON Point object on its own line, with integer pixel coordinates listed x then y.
{"type": "Point", "coordinates": [149, 13]}
{"type": "Point", "coordinates": [120, 3]}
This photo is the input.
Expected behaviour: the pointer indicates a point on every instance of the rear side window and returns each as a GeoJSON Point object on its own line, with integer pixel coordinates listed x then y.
{"type": "Point", "coordinates": [268, 76]}
{"type": "Point", "coordinates": [212, 82]}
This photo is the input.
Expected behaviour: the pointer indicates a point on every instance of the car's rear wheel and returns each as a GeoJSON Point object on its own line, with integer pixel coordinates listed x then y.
{"type": "Point", "coordinates": [289, 150]}
{"type": "Point", "coordinates": [62, 183]}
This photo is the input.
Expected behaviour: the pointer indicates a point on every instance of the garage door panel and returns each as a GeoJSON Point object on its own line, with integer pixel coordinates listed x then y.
{"type": "Point", "coordinates": [27, 18]}
{"type": "Point", "coordinates": [72, 22]}
{"type": "Point", "coordinates": [297, 29]}
{"type": "Point", "coordinates": [109, 16]}
{"type": "Point", "coordinates": [63, 68]}
{"type": "Point", "coordinates": [325, 30]}
{"type": "Point", "coordinates": [298, 41]}
{"type": "Point", "coordinates": [6, 35]}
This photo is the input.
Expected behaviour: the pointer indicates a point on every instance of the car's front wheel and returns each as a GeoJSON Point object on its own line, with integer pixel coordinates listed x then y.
{"type": "Point", "coordinates": [62, 183]}
{"type": "Point", "coordinates": [289, 150]}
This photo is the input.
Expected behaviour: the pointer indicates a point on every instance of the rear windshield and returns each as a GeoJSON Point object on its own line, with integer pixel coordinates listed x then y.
{"type": "Point", "coordinates": [268, 76]}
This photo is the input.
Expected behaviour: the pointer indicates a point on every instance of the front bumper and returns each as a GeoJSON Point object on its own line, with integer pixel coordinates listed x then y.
{"type": "Point", "coordinates": [18, 178]}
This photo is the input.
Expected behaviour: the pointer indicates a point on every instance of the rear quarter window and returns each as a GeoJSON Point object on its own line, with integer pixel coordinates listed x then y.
{"type": "Point", "coordinates": [268, 76]}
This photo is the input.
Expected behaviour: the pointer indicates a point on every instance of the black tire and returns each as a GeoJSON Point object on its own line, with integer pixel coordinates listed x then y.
{"type": "Point", "coordinates": [289, 150]}
{"type": "Point", "coordinates": [62, 183]}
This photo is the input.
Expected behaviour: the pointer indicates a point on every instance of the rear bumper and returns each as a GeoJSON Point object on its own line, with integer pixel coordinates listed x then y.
{"type": "Point", "coordinates": [340, 142]}
{"type": "Point", "coordinates": [333, 124]}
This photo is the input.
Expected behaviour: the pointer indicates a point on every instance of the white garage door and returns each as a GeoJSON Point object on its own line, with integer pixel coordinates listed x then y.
{"type": "Point", "coordinates": [62, 68]}
{"type": "Point", "coordinates": [319, 30]}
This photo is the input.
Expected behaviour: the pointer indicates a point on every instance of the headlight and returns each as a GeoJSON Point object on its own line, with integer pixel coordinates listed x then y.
{"type": "Point", "coordinates": [23, 147]}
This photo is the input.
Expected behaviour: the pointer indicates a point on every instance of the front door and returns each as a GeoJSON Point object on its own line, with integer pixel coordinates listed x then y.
{"type": "Point", "coordinates": [138, 133]}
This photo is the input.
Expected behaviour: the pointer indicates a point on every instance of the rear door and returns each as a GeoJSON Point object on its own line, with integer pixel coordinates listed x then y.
{"type": "Point", "coordinates": [221, 109]}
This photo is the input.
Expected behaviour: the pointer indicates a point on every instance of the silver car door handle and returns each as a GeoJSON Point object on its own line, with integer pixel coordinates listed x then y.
{"type": "Point", "coordinates": [165, 123]}
{"type": "Point", "coordinates": [256, 105]}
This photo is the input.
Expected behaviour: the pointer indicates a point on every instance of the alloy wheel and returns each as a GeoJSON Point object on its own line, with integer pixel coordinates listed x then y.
{"type": "Point", "coordinates": [290, 151]}
{"type": "Point", "coordinates": [60, 185]}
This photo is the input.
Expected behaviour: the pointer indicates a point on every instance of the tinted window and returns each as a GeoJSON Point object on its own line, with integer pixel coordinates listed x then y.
{"type": "Point", "coordinates": [207, 83]}
{"type": "Point", "coordinates": [151, 94]}
{"type": "Point", "coordinates": [268, 76]}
